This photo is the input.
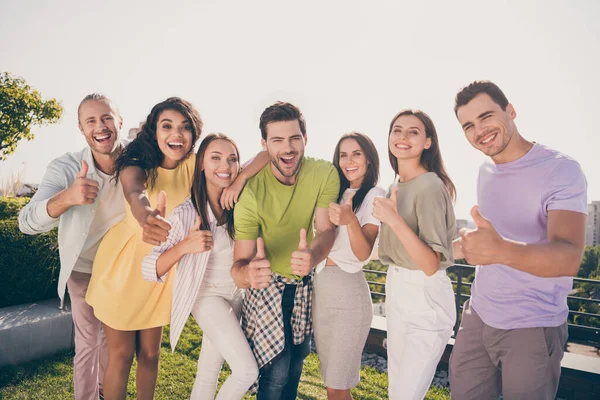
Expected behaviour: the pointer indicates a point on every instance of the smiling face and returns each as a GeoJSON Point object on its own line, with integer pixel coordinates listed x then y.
{"type": "Point", "coordinates": [174, 137]}
{"type": "Point", "coordinates": [408, 138]}
{"type": "Point", "coordinates": [285, 145]}
{"type": "Point", "coordinates": [100, 123]}
{"type": "Point", "coordinates": [220, 164]}
{"type": "Point", "coordinates": [487, 127]}
{"type": "Point", "coordinates": [352, 162]}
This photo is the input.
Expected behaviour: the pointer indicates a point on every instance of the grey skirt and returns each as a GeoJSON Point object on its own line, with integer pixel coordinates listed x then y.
{"type": "Point", "coordinates": [342, 315]}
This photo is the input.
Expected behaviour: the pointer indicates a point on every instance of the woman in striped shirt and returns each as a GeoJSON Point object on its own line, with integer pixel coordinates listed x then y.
{"type": "Point", "coordinates": [200, 242]}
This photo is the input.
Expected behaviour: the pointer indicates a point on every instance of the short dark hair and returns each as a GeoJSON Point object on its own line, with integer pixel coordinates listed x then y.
{"type": "Point", "coordinates": [281, 111]}
{"type": "Point", "coordinates": [466, 94]}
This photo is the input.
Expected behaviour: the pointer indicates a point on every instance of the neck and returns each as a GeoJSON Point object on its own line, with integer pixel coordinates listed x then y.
{"type": "Point", "coordinates": [410, 169]}
{"type": "Point", "coordinates": [214, 195]}
{"type": "Point", "coordinates": [356, 184]}
{"type": "Point", "coordinates": [105, 162]}
{"type": "Point", "coordinates": [517, 147]}
{"type": "Point", "coordinates": [286, 180]}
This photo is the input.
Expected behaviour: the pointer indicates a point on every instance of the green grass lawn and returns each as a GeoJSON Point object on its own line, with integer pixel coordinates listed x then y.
{"type": "Point", "coordinates": [52, 378]}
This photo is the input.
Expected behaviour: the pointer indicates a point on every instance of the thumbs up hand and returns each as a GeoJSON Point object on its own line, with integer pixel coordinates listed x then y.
{"type": "Point", "coordinates": [386, 210]}
{"type": "Point", "coordinates": [197, 241]}
{"type": "Point", "coordinates": [342, 214]}
{"type": "Point", "coordinates": [482, 245]}
{"type": "Point", "coordinates": [259, 269]}
{"type": "Point", "coordinates": [83, 190]}
{"type": "Point", "coordinates": [156, 228]}
{"type": "Point", "coordinates": [301, 260]}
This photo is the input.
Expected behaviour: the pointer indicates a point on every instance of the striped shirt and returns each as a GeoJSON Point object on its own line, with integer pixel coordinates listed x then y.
{"type": "Point", "coordinates": [262, 318]}
{"type": "Point", "coordinates": [190, 269]}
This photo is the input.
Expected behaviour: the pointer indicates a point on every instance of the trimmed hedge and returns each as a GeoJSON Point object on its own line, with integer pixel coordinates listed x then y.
{"type": "Point", "coordinates": [29, 265]}
{"type": "Point", "coordinates": [10, 206]}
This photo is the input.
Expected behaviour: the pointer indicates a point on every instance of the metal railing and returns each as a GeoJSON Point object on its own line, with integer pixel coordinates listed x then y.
{"type": "Point", "coordinates": [465, 272]}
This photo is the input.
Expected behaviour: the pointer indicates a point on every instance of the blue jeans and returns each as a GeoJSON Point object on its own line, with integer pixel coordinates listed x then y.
{"type": "Point", "coordinates": [279, 379]}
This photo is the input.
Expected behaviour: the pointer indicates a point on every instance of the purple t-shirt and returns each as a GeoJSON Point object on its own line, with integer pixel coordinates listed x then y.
{"type": "Point", "coordinates": [516, 198]}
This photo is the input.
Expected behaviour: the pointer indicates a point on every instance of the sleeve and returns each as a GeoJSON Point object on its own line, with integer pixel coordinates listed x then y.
{"type": "Point", "coordinates": [365, 213]}
{"type": "Point", "coordinates": [566, 189]}
{"type": "Point", "coordinates": [245, 217]}
{"type": "Point", "coordinates": [433, 208]}
{"type": "Point", "coordinates": [176, 235]}
{"type": "Point", "coordinates": [331, 189]}
{"type": "Point", "coordinates": [34, 217]}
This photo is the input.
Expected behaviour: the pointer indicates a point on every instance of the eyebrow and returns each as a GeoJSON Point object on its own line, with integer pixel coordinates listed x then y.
{"type": "Point", "coordinates": [410, 127]}
{"type": "Point", "coordinates": [165, 120]}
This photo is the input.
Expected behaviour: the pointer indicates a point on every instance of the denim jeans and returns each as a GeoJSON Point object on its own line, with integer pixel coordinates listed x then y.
{"type": "Point", "coordinates": [279, 379]}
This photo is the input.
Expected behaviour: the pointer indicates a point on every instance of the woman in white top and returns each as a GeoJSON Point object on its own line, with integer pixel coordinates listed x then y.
{"type": "Point", "coordinates": [200, 242]}
{"type": "Point", "coordinates": [342, 307]}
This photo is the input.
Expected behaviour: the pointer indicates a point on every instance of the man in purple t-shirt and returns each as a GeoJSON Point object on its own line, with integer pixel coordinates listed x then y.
{"type": "Point", "coordinates": [527, 246]}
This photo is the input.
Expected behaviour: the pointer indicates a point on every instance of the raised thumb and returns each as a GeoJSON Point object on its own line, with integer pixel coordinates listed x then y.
{"type": "Point", "coordinates": [196, 226]}
{"type": "Point", "coordinates": [260, 248]}
{"type": "Point", "coordinates": [349, 199]}
{"type": "Point", "coordinates": [480, 220]}
{"type": "Point", "coordinates": [161, 203]}
{"type": "Point", "coordinates": [84, 169]}
{"type": "Point", "coordinates": [303, 244]}
{"type": "Point", "coordinates": [394, 195]}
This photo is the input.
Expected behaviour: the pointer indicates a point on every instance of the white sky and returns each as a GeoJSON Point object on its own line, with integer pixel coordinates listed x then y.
{"type": "Point", "coordinates": [349, 65]}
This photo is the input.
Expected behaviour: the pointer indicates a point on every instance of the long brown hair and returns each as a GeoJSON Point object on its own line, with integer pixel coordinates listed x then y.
{"type": "Point", "coordinates": [199, 192]}
{"type": "Point", "coordinates": [144, 152]}
{"type": "Point", "coordinates": [371, 176]}
{"type": "Point", "coordinates": [431, 158]}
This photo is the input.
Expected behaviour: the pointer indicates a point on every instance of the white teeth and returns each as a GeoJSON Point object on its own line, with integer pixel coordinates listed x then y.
{"type": "Point", "coordinates": [288, 158]}
{"type": "Point", "coordinates": [102, 137]}
{"type": "Point", "coordinates": [224, 175]}
{"type": "Point", "coordinates": [351, 169]}
{"type": "Point", "coordinates": [402, 146]}
{"type": "Point", "coordinates": [176, 144]}
{"type": "Point", "coordinates": [488, 139]}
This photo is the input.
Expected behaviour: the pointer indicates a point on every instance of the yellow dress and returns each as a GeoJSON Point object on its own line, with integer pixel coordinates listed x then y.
{"type": "Point", "coordinates": [120, 296]}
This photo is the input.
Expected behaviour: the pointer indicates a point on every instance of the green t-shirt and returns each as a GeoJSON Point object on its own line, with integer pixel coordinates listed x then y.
{"type": "Point", "coordinates": [276, 212]}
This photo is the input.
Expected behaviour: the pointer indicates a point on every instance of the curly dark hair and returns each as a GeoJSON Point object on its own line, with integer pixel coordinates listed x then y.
{"type": "Point", "coordinates": [144, 152]}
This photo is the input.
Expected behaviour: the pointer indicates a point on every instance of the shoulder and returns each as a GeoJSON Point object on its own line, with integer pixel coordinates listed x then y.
{"type": "Point", "coordinates": [185, 212]}
{"type": "Point", "coordinates": [430, 183]}
{"type": "Point", "coordinates": [318, 166]}
{"type": "Point", "coordinates": [374, 192]}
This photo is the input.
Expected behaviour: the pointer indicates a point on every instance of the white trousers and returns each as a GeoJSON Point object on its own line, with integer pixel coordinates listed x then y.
{"type": "Point", "coordinates": [217, 311]}
{"type": "Point", "coordinates": [420, 313]}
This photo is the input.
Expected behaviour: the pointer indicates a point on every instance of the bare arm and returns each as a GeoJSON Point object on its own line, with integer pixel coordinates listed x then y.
{"type": "Point", "coordinates": [325, 236]}
{"type": "Point", "coordinates": [362, 239]}
{"type": "Point", "coordinates": [250, 267]}
{"type": "Point", "coordinates": [424, 257]}
{"type": "Point", "coordinates": [560, 256]}
{"type": "Point", "coordinates": [133, 180]}
{"type": "Point", "coordinates": [231, 194]}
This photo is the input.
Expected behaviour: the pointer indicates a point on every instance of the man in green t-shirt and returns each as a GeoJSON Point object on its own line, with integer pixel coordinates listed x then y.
{"type": "Point", "coordinates": [276, 249]}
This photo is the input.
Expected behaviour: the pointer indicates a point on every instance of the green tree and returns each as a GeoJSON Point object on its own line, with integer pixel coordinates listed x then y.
{"type": "Point", "coordinates": [590, 262]}
{"type": "Point", "coordinates": [21, 108]}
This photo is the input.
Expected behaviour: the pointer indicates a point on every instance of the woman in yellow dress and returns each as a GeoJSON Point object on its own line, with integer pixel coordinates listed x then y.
{"type": "Point", "coordinates": [156, 172]}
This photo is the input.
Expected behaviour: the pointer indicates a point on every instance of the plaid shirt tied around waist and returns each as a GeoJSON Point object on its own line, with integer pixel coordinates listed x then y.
{"type": "Point", "coordinates": [262, 317]}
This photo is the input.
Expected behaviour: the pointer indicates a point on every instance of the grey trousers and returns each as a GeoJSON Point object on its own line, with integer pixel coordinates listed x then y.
{"type": "Point", "coordinates": [519, 363]}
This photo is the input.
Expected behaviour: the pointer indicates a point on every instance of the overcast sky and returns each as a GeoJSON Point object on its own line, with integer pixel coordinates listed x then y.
{"type": "Point", "coordinates": [349, 65]}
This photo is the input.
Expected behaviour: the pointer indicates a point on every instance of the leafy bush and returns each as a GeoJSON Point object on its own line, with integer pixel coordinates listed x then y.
{"type": "Point", "coordinates": [10, 206]}
{"type": "Point", "coordinates": [29, 265]}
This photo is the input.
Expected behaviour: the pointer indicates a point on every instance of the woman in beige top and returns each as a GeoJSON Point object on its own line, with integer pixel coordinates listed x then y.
{"type": "Point", "coordinates": [417, 229]}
